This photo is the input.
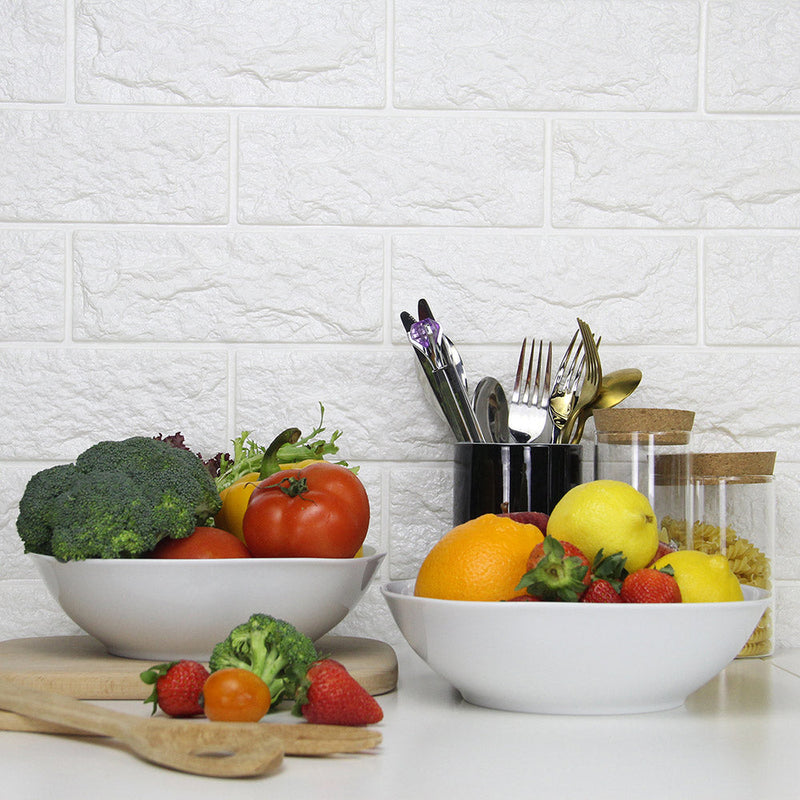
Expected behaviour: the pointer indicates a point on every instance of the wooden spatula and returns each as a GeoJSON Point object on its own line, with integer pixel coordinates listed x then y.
{"type": "Point", "coordinates": [221, 749]}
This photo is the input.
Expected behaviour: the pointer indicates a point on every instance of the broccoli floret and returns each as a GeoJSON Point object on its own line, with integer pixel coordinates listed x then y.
{"type": "Point", "coordinates": [118, 500]}
{"type": "Point", "coordinates": [37, 507]}
{"type": "Point", "coordinates": [271, 648]}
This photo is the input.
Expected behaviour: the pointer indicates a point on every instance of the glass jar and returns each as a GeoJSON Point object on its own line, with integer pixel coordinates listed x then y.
{"type": "Point", "coordinates": [649, 448]}
{"type": "Point", "coordinates": [734, 503]}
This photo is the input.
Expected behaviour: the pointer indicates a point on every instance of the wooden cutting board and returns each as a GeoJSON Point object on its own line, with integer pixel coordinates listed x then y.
{"type": "Point", "coordinates": [79, 666]}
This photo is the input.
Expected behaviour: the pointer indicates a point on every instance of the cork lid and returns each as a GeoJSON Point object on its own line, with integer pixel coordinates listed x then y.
{"type": "Point", "coordinates": [666, 425]}
{"type": "Point", "coordinates": [748, 467]}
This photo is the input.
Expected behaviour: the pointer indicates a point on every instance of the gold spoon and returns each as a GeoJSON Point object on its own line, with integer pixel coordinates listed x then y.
{"type": "Point", "coordinates": [615, 387]}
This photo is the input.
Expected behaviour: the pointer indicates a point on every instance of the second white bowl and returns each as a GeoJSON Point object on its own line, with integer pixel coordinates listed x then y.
{"type": "Point", "coordinates": [574, 658]}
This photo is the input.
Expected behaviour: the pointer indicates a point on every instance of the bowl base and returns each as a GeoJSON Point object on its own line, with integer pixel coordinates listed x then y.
{"type": "Point", "coordinates": [567, 709]}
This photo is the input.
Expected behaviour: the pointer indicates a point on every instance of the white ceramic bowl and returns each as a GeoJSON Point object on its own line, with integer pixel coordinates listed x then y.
{"type": "Point", "coordinates": [165, 609]}
{"type": "Point", "coordinates": [574, 658]}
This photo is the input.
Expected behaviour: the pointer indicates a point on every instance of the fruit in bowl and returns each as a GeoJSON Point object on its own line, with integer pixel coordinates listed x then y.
{"type": "Point", "coordinates": [574, 658]}
{"type": "Point", "coordinates": [599, 535]}
{"type": "Point", "coordinates": [597, 637]}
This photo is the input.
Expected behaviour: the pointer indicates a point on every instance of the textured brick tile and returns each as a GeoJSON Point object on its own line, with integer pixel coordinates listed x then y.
{"type": "Point", "coordinates": [717, 384]}
{"type": "Point", "coordinates": [63, 401]}
{"type": "Point", "coordinates": [14, 563]}
{"type": "Point", "coordinates": [675, 173]}
{"type": "Point", "coordinates": [311, 169]}
{"type": "Point", "coordinates": [32, 51]}
{"type": "Point", "coordinates": [32, 285]}
{"type": "Point", "coordinates": [284, 52]}
{"type": "Point", "coordinates": [555, 54]}
{"type": "Point", "coordinates": [787, 631]}
{"type": "Point", "coordinates": [372, 396]}
{"type": "Point", "coordinates": [421, 505]}
{"type": "Point", "coordinates": [630, 289]}
{"type": "Point", "coordinates": [30, 610]}
{"type": "Point", "coordinates": [752, 291]}
{"type": "Point", "coordinates": [113, 167]}
{"type": "Point", "coordinates": [371, 617]}
{"type": "Point", "coordinates": [244, 287]}
{"type": "Point", "coordinates": [787, 543]}
{"type": "Point", "coordinates": [753, 56]}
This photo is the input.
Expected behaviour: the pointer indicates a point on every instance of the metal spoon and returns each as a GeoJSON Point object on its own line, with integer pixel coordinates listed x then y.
{"type": "Point", "coordinates": [615, 387]}
{"type": "Point", "coordinates": [491, 410]}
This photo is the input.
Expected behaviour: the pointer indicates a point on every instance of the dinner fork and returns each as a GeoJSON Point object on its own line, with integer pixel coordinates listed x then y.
{"type": "Point", "coordinates": [528, 409]}
{"type": "Point", "coordinates": [565, 386]}
{"type": "Point", "coordinates": [591, 382]}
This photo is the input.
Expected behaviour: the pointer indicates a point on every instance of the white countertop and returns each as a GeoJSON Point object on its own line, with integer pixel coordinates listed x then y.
{"type": "Point", "coordinates": [737, 737]}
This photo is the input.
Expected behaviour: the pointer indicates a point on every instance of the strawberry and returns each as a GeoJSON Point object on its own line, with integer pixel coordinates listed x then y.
{"type": "Point", "coordinates": [601, 591]}
{"type": "Point", "coordinates": [649, 585]}
{"type": "Point", "coordinates": [609, 568]}
{"type": "Point", "coordinates": [556, 570]}
{"type": "Point", "coordinates": [330, 695]}
{"type": "Point", "coordinates": [523, 598]}
{"type": "Point", "coordinates": [537, 518]}
{"type": "Point", "coordinates": [177, 687]}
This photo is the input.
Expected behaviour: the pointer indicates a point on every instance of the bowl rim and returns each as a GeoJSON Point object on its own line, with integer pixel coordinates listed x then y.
{"type": "Point", "coordinates": [394, 589]}
{"type": "Point", "coordinates": [370, 554]}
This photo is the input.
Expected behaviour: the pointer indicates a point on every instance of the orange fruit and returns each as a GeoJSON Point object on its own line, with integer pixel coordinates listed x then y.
{"type": "Point", "coordinates": [482, 559]}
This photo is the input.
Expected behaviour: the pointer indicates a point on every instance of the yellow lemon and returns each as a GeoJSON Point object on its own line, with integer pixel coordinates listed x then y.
{"type": "Point", "coordinates": [482, 559]}
{"type": "Point", "coordinates": [608, 515]}
{"type": "Point", "coordinates": [702, 578]}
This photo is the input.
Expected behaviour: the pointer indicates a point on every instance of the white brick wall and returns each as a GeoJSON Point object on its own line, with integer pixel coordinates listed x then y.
{"type": "Point", "coordinates": [212, 214]}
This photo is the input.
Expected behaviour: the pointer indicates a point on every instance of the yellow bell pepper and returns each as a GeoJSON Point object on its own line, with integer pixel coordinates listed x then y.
{"type": "Point", "coordinates": [234, 503]}
{"type": "Point", "coordinates": [300, 464]}
{"type": "Point", "coordinates": [236, 497]}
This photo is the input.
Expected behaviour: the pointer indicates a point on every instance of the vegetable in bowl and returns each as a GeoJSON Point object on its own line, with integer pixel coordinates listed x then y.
{"type": "Point", "coordinates": [272, 649]}
{"type": "Point", "coordinates": [118, 500]}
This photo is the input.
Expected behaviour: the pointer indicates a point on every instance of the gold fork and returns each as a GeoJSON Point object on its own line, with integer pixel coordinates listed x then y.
{"type": "Point", "coordinates": [591, 381]}
{"type": "Point", "coordinates": [565, 386]}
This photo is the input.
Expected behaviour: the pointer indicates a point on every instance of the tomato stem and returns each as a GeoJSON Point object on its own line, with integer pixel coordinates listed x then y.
{"type": "Point", "coordinates": [291, 486]}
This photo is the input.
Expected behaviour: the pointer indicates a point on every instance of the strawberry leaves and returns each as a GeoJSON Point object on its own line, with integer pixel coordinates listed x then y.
{"type": "Point", "coordinates": [556, 571]}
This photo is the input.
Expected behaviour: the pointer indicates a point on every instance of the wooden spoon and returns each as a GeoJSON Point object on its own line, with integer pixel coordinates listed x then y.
{"type": "Point", "coordinates": [296, 738]}
{"type": "Point", "coordinates": [219, 749]}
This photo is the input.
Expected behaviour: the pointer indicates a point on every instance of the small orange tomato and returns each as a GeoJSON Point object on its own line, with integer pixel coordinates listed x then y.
{"type": "Point", "coordinates": [202, 543]}
{"type": "Point", "coordinates": [235, 695]}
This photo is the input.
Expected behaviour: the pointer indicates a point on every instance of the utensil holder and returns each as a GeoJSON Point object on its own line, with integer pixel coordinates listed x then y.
{"type": "Point", "coordinates": [494, 478]}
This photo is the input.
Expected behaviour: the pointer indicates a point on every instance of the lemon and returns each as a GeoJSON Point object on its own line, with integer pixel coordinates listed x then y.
{"type": "Point", "coordinates": [608, 515]}
{"type": "Point", "coordinates": [702, 578]}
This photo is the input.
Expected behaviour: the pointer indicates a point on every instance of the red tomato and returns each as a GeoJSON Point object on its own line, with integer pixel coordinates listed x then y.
{"type": "Point", "coordinates": [235, 695]}
{"type": "Point", "coordinates": [319, 511]}
{"type": "Point", "coordinates": [202, 543]}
